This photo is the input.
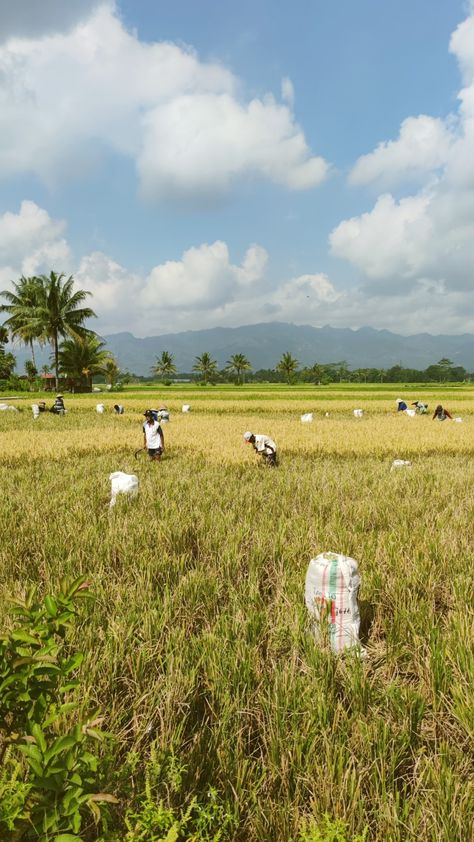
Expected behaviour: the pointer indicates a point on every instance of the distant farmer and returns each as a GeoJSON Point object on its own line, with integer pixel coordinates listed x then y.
{"type": "Point", "coordinates": [263, 445]}
{"type": "Point", "coordinates": [42, 406]}
{"type": "Point", "coordinates": [58, 407]}
{"type": "Point", "coordinates": [163, 413]}
{"type": "Point", "coordinates": [153, 439]}
{"type": "Point", "coordinates": [118, 409]}
{"type": "Point", "coordinates": [420, 407]}
{"type": "Point", "coordinates": [401, 405]}
{"type": "Point", "coordinates": [441, 413]}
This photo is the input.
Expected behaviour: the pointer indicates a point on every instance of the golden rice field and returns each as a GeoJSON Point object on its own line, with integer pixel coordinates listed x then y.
{"type": "Point", "coordinates": [198, 648]}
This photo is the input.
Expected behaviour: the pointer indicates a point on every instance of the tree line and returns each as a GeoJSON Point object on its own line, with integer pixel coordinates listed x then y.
{"type": "Point", "coordinates": [239, 368]}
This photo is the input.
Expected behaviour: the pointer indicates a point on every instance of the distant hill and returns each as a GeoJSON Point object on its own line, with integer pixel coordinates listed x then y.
{"type": "Point", "coordinates": [264, 344]}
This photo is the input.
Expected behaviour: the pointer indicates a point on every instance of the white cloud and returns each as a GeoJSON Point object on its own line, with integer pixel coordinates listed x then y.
{"type": "Point", "coordinates": [184, 123]}
{"type": "Point", "coordinates": [204, 279]}
{"type": "Point", "coordinates": [421, 246]}
{"type": "Point", "coordinates": [30, 241]}
{"type": "Point", "coordinates": [423, 146]}
{"type": "Point", "coordinates": [204, 288]}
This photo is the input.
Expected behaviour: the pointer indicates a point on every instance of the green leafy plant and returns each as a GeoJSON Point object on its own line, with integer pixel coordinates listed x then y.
{"type": "Point", "coordinates": [156, 819]}
{"type": "Point", "coordinates": [329, 830]}
{"type": "Point", "coordinates": [47, 769]}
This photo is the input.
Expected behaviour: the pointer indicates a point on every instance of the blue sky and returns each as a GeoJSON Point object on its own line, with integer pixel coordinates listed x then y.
{"type": "Point", "coordinates": [200, 163]}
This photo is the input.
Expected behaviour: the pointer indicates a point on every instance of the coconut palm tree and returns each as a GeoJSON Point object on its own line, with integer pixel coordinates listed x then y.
{"type": "Point", "coordinates": [58, 313]}
{"type": "Point", "coordinates": [164, 365]}
{"type": "Point", "coordinates": [287, 365]}
{"type": "Point", "coordinates": [205, 365]}
{"type": "Point", "coordinates": [111, 370]}
{"type": "Point", "coordinates": [21, 304]}
{"type": "Point", "coordinates": [237, 364]}
{"type": "Point", "coordinates": [82, 357]}
{"type": "Point", "coordinates": [7, 360]}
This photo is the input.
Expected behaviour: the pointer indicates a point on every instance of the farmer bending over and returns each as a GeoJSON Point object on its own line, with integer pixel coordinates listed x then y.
{"type": "Point", "coordinates": [401, 405]}
{"type": "Point", "coordinates": [58, 406]}
{"type": "Point", "coordinates": [441, 413]}
{"type": "Point", "coordinates": [153, 439]}
{"type": "Point", "coordinates": [263, 445]}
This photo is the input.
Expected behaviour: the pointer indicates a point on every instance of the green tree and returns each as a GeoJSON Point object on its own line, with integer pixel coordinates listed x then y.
{"type": "Point", "coordinates": [164, 365]}
{"type": "Point", "coordinates": [237, 364]}
{"type": "Point", "coordinates": [206, 366]}
{"type": "Point", "coordinates": [59, 313]}
{"type": "Point", "coordinates": [318, 372]}
{"type": "Point", "coordinates": [31, 372]}
{"type": "Point", "coordinates": [111, 371]}
{"type": "Point", "coordinates": [21, 309]}
{"type": "Point", "coordinates": [82, 357]}
{"type": "Point", "coordinates": [7, 360]}
{"type": "Point", "coordinates": [287, 365]}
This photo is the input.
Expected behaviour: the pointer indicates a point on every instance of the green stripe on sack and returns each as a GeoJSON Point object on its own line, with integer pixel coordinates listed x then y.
{"type": "Point", "coordinates": [332, 597]}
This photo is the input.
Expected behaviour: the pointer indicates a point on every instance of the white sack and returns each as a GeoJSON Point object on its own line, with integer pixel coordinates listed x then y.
{"type": "Point", "coordinates": [35, 410]}
{"type": "Point", "coordinates": [400, 463]}
{"type": "Point", "coordinates": [307, 418]}
{"type": "Point", "coordinates": [123, 484]}
{"type": "Point", "coordinates": [358, 413]}
{"type": "Point", "coordinates": [100, 408]}
{"type": "Point", "coordinates": [186, 407]}
{"type": "Point", "coordinates": [458, 420]}
{"type": "Point", "coordinates": [332, 582]}
{"type": "Point", "coordinates": [410, 412]}
{"type": "Point", "coordinates": [4, 407]}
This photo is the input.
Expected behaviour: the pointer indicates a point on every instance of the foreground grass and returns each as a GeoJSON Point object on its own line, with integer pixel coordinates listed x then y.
{"type": "Point", "coordinates": [198, 645]}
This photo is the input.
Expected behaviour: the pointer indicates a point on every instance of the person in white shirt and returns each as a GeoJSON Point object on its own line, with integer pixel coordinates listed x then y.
{"type": "Point", "coordinates": [153, 438]}
{"type": "Point", "coordinates": [264, 446]}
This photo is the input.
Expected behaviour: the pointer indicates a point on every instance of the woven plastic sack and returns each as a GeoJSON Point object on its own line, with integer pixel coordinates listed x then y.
{"type": "Point", "coordinates": [307, 418]}
{"type": "Point", "coordinates": [358, 413]}
{"type": "Point", "coordinates": [35, 410]}
{"type": "Point", "coordinates": [410, 412]}
{"type": "Point", "coordinates": [123, 484]}
{"type": "Point", "coordinates": [100, 408]}
{"type": "Point", "coordinates": [186, 407]}
{"type": "Point", "coordinates": [331, 588]}
{"type": "Point", "coordinates": [400, 463]}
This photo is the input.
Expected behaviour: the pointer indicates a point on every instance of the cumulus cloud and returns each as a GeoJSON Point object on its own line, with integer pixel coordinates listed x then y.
{"type": "Point", "coordinates": [185, 123]}
{"type": "Point", "coordinates": [204, 278]}
{"type": "Point", "coordinates": [423, 146]}
{"type": "Point", "coordinates": [420, 246]}
{"type": "Point", "coordinates": [30, 240]}
{"type": "Point", "coordinates": [206, 288]}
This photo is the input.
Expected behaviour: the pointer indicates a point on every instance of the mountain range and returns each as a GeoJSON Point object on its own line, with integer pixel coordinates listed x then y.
{"type": "Point", "coordinates": [264, 344]}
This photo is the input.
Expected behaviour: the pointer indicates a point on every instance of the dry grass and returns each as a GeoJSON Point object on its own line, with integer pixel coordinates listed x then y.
{"type": "Point", "coordinates": [198, 639]}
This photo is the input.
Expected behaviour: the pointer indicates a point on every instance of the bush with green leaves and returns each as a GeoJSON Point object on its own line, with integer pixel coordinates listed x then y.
{"type": "Point", "coordinates": [48, 767]}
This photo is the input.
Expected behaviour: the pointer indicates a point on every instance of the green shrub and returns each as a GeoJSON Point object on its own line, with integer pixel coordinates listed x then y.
{"type": "Point", "coordinates": [47, 768]}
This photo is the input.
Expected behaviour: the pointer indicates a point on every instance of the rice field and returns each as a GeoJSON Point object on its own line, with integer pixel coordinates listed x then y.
{"type": "Point", "coordinates": [198, 649]}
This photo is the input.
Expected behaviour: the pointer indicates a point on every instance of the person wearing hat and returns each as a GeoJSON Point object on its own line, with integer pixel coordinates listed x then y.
{"type": "Point", "coordinates": [118, 409]}
{"type": "Point", "coordinates": [264, 446]}
{"type": "Point", "coordinates": [401, 405]}
{"type": "Point", "coordinates": [42, 406]}
{"type": "Point", "coordinates": [153, 438]}
{"type": "Point", "coordinates": [58, 406]}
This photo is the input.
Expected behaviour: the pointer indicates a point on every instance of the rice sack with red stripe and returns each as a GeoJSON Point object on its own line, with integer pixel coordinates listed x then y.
{"type": "Point", "coordinates": [331, 588]}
